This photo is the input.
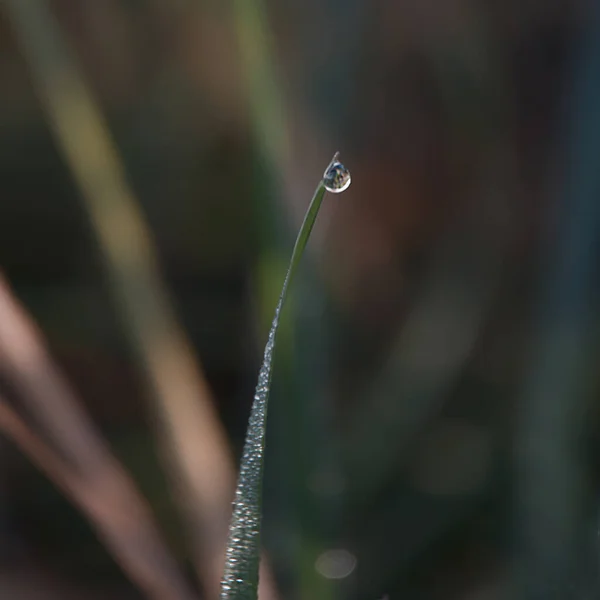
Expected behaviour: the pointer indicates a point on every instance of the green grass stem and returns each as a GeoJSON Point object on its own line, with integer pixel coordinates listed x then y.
{"type": "Point", "coordinates": [240, 579]}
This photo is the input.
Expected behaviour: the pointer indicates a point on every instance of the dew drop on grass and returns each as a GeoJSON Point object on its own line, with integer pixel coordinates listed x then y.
{"type": "Point", "coordinates": [336, 177]}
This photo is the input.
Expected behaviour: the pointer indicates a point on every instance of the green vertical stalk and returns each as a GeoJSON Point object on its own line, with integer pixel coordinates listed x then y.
{"type": "Point", "coordinates": [240, 579]}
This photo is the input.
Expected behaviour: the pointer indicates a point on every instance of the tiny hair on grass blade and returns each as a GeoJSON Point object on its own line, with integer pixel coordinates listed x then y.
{"type": "Point", "coordinates": [240, 578]}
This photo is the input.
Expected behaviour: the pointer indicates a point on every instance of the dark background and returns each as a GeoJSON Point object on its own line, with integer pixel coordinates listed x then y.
{"type": "Point", "coordinates": [435, 405]}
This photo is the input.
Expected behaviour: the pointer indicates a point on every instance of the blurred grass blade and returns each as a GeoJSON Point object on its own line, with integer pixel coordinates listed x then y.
{"type": "Point", "coordinates": [66, 445]}
{"type": "Point", "coordinates": [135, 547]}
{"type": "Point", "coordinates": [240, 579]}
{"type": "Point", "coordinates": [191, 437]}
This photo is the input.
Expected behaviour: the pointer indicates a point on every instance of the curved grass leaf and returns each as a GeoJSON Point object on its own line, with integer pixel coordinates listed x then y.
{"type": "Point", "coordinates": [240, 579]}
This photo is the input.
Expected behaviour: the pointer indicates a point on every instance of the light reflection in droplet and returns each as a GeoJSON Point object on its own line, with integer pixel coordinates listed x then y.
{"type": "Point", "coordinates": [336, 177]}
{"type": "Point", "coordinates": [335, 564]}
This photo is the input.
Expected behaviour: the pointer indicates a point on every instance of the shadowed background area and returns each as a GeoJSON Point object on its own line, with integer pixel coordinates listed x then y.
{"type": "Point", "coordinates": [434, 418]}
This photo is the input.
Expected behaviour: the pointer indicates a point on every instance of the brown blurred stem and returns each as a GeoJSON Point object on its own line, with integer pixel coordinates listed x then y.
{"type": "Point", "coordinates": [122, 522]}
{"type": "Point", "coordinates": [82, 466]}
{"type": "Point", "coordinates": [193, 435]}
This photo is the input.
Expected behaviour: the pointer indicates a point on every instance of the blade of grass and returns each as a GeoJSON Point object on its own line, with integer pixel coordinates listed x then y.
{"type": "Point", "coordinates": [240, 579]}
{"type": "Point", "coordinates": [301, 442]}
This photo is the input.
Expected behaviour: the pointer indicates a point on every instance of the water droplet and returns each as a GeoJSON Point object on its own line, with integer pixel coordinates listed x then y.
{"type": "Point", "coordinates": [336, 177]}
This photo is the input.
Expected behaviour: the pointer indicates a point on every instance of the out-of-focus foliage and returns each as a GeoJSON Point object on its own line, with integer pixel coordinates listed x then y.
{"type": "Point", "coordinates": [434, 416]}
